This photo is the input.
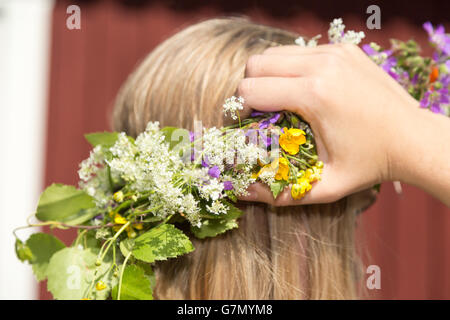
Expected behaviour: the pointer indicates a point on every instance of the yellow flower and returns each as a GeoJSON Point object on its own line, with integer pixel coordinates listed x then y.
{"type": "Point", "coordinates": [139, 226]}
{"type": "Point", "coordinates": [299, 189]}
{"type": "Point", "coordinates": [118, 196]}
{"type": "Point", "coordinates": [273, 166]}
{"type": "Point", "coordinates": [100, 285]}
{"type": "Point", "coordinates": [255, 175]}
{"type": "Point", "coordinates": [279, 166]}
{"type": "Point", "coordinates": [291, 139]}
{"type": "Point", "coordinates": [315, 174]}
{"type": "Point", "coordinates": [118, 219]}
{"type": "Point", "coordinates": [283, 169]}
{"type": "Point", "coordinates": [295, 191]}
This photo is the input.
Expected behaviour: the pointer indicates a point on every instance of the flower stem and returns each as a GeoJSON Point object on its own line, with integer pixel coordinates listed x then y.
{"type": "Point", "coordinates": [121, 275]}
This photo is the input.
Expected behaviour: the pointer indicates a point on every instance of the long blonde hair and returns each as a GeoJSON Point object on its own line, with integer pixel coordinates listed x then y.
{"type": "Point", "coordinates": [304, 252]}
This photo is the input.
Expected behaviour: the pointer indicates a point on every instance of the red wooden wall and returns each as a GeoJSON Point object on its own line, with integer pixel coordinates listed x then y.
{"type": "Point", "coordinates": [408, 236]}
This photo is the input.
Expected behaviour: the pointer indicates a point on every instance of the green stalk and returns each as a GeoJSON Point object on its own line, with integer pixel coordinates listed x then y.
{"type": "Point", "coordinates": [121, 275]}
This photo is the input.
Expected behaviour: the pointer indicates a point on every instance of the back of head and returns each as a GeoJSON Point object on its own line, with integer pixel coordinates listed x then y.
{"type": "Point", "coordinates": [304, 252]}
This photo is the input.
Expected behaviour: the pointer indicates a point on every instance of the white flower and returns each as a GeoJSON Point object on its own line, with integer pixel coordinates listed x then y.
{"type": "Point", "coordinates": [214, 147]}
{"type": "Point", "coordinates": [217, 207]}
{"type": "Point", "coordinates": [212, 190]}
{"type": "Point", "coordinates": [90, 166]}
{"type": "Point", "coordinates": [336, 30]}
{"type": "Point", "coordinates": [311, 42]}
{"type": "Point", "coordinates": [232, 105]}
{"type": "Point", "coordinates": [336, 33]}
{"type": "Point", "coordinates": [353, 37]}
{"type": "Point", "coordinates": [268, 176]}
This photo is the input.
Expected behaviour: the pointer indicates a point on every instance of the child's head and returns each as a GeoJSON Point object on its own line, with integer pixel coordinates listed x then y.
{"type": "Point", "coordinates": [286, 253]}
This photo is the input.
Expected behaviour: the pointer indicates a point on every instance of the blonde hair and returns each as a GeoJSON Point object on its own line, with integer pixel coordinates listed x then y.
{"type": "Point", "coordinates": [304, 252]}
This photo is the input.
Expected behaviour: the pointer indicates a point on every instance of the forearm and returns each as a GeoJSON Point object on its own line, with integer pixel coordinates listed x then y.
{"type": "Point", "coordinates": [422, 157]}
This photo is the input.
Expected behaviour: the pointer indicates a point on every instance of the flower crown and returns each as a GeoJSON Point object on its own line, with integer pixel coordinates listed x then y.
{"type": "Point", "coordinates": [135, 193]}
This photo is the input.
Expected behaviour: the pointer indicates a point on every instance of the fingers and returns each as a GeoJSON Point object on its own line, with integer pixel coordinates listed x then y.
{"type": "Point", "coordinates": [324, 191]}
{"type": "Point", "coordinates": [298, 50]}
{"type": "Point", "coordinates": [281, 65]}
{"type": "Point", "coordinates": [274, 94]}
{"type": "Point", "coordinates": [259, 192]}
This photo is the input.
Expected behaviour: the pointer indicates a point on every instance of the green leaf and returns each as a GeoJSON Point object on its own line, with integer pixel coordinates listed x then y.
{"type": "Point", "coordinates": [277, 187]}
{"type": "Point", "coordinates": [162, 242]}
{"type": "Point", "coordinates": [148, 272]}
{"type": "Point", "coordinates": [62, 203]}
{"type": "Point", "coordinates": [175, 136]}
{"type": "Point", "coordinates": [126, 246]}
{"type": "Point", "coordinates": [81, 216]}
{"type": "Point", "coordinates": [105, 139]}
{"type": "Point", "coordinates": [42, 246]}
{"type": "Point", "coordinates": [135, 285]}
{"type": "Point", "coordinates": [88, 240]}
{"type": "Point", "coordinates": [23, 252]}
{"type": "Point", "coordinates": [71, 272]}
{"type": "Point", "coordinates": [211, 228]}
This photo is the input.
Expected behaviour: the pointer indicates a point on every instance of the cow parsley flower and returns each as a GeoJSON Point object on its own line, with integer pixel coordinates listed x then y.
{"type": "Point", "coordinates": [217, 207]}
{"type": "Point", "coordinates": [300, 41]}
{"type": "Point", "coordinates": [336, 33]}
{"type": "Point", "coordinates": [233, 105]}
{"type": "Point", "coordinates": [212, 190]}
{"type": "Point", "coordinates": [91, 165]}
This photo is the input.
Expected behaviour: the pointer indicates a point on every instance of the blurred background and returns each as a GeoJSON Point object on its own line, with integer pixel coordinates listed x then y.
{"type": "Point", "coordinates": [58, 83]}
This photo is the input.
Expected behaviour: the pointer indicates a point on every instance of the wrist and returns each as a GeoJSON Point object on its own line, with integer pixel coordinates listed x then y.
{"type": "Point", "coordinates": [407, 134]}
{"type": "Point", "coordinates": [417, 146]}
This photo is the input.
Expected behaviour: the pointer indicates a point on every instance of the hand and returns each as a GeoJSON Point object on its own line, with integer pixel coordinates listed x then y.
{"type": "Point", "coordinates": [354, 108]}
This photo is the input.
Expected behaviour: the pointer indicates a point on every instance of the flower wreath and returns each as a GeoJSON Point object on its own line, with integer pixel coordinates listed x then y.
{"type": "Point", "coordinates": [132, 192]}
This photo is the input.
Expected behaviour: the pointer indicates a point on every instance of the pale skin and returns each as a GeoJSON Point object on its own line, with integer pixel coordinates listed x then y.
{"type": "Point", "coordinates": [368, 129]}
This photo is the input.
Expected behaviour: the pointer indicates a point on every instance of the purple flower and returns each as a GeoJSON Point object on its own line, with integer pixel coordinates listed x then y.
{"type": "Point", "coordinates": [256, 114]}
{"type": "Point", "coordinates": [227, 185]}
{"type": "Point", "coordinates": [214, 172]}
{"type": "Point", "coordinates": [205, 161]}
{"type": "Point", "coordinates": [425, 99]}
{"type": "Point", "coordinates": [433, 99]}
{"type": "Point", "coordinates": [438, 37]}
{"type": "Point", "coordinates": [267, 140]}
{"type": "Point", "coordinates": [369, 50]}
{"type": "Point", "coordinates": [264, 124]}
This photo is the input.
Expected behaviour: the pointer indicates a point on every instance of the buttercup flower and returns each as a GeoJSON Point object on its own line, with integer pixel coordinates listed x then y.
{"type": "Point", "coordinates": [291, 140]}
{"type": "Point", "coordinates": [313, 174]}
{"type": "Point", "coordinates": [299, 189]}
{"type": "Point", "coordinates": [278, 169]}
{"type": "Point", "coordinates": [118, 219]}
{"type": "Point", "coordinates": [283, 169]}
